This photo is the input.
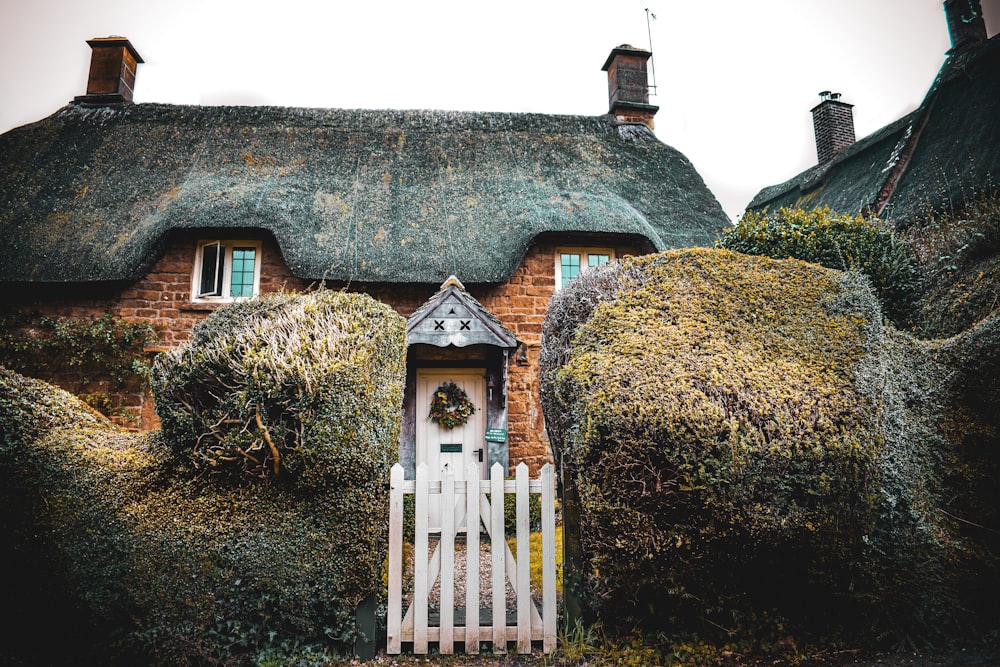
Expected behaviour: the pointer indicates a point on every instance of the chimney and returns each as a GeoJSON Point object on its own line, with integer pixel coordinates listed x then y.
{"type": "Point", "coordinates": [628, 85]}
{"type": "Point", "coordinates": [113, 63]}
{"type": "Point", "coordinates": [833, 123]}
{"type": "Point", "coordinates": [966, 26]}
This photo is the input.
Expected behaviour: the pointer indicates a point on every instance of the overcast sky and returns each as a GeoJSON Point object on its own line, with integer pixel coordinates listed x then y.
{"type": "Point", "coordinates": [735, 78]}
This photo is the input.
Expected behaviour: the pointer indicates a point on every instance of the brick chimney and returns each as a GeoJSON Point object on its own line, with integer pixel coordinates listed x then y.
{"type": "Point", "coordinates": [113, 62]}
{"type": "Point", "coordinates": [966, 26]}
{"type": "Point", "coordinates": [833, 123]}
{"type": "Point", "coordinates": [628, 85]}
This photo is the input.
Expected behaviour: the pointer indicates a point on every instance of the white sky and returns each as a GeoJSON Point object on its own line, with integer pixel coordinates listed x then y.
{"type": "Point", "coordinates": [736, 78]}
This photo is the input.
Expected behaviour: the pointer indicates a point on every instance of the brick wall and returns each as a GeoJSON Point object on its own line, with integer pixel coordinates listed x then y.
{"type": "Point", "coordinates": [162, 298]}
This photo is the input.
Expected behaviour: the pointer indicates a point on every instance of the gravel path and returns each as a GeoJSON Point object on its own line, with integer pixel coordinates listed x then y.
{"type": "Point", "coordinates": [485, 578]}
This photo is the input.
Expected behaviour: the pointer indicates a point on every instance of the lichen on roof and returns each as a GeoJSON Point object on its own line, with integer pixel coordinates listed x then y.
{"type": "Point", "coordinates": [379, 196]}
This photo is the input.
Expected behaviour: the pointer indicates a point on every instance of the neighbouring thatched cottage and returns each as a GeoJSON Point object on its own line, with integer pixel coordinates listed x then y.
{"type": "Point", "coordinates": [465, 222]}
{"type": "Point", "coordinates": [939, 155]}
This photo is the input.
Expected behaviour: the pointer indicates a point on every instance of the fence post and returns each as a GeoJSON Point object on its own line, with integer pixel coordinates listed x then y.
{"type": "Point", "coordinates": [446, 627]}
{"type": "Point", "coordinates": [548, 559]}
{"type": "Point", "coordinates": [498, 547]}
{"type": "Point", "coordinates": [422, 503]}
{"type": "Point", "coordinates": [572, 552]}
{"type": "Point", "coordinates": [472, 520]}
{"type": "Point", "coordinates": [523, 560]}
{"type": "Point", "coordinates": [364, 642]}
{"type": "Point", "coordinates": [395, 606]}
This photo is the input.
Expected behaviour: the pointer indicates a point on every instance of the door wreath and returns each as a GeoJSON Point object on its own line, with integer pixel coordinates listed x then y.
{"type": "Point", "coordinates": [450, 406]}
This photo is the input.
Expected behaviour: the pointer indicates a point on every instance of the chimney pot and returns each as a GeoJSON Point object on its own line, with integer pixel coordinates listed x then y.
{"type": "Point", "coordinates": [833, 123]}
{"type": "Point", "coordinates": [113, 62]}
{"type": "Point", "coordinates": [966, 25]}
{"type": "Point", "coordinates": [628, 85]}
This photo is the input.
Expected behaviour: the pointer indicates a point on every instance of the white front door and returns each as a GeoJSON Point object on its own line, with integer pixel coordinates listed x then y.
{"type": "Point", "coordinates": [444, 449]}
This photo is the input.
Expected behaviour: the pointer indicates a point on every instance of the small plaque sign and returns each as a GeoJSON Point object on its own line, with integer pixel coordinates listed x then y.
{"type": "Point", "coordinates": [451, 448]}
{"type": "Point", "coordinates": [496, 435]}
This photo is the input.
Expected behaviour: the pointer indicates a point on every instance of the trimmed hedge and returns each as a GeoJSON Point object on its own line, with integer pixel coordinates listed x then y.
{"type": "Point", "coordinates": [845, 242]}
{"type": "Point", "coordinates": [287, 387]}
{"type": "Point", "coordinates": [154, 560]}
{"type": "Point", "coordinates": [750, 452]}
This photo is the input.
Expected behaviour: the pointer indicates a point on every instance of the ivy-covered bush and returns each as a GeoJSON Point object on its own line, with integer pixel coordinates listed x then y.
{"type": "Point", "coordinates": [747, 451]}
{"type": "Point", "coordinates": [136, 556]}
{"type": "Point", "coordinates": [845, 242]}
{"type": "Point", "coordinates": [67, 479]}
{"type": "Point", "coordinates": [106, 346]}
{"type": "Point", "coordinates": [92, 357]}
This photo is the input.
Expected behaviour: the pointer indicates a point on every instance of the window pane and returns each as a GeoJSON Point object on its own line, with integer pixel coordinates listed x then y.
{"type": "Point", "coordinates": [213, 259]}
{"type": "Point", "coordinates": [570, 265]}
{"type": "Point", "coordinates": [243, 271]}
{"type": "Point", "coordinates": [597, 260]}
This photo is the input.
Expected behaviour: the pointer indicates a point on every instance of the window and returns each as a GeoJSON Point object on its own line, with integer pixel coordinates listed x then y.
{"type": "Point", "coordinates": [570, 262]}
{"type": "Point", "coordinates": [226, 270]}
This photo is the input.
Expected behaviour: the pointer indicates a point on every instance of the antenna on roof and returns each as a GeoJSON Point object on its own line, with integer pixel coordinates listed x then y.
{"type": "Point", "coordinates": [649, 34]}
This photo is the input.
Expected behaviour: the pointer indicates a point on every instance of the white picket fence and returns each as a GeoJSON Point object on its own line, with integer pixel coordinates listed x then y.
{"type": "Point", "coordinates": [469, 498]}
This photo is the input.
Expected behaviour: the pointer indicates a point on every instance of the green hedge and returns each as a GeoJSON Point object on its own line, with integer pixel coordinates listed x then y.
{"type": "Point", "coordinates": [749, 452]}
{"type": "Point", "coordinates": [145, 557]}
{"type": "Point", "coordinates": [287, 387]}
{"type": "Point", "coordinates": [845, 242]}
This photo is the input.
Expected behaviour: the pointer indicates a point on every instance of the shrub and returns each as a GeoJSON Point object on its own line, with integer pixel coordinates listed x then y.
{"type": "Point", "coordinates": [105, 346]}
{"type": "Point", "coordinates": [67, 478]}
{"type": "Point", "coordinates": [287, 387]}
{"type": "Point", "coordinates": [842, 242]}
{"type": "Point", "coordinates": [106, 351]}
{"type": "Point", "coordinates": [958, 249]}
{"type": "Point", "coordinates": [748, 451]}
{"type": "Point", "coordinates": [151, 561]}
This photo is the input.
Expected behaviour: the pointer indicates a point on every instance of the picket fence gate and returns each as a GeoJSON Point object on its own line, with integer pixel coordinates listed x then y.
{"type": "Point", "coordinates": [469, 498]}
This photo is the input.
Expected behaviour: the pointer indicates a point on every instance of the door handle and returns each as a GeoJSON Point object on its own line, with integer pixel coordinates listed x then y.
{"type": "Point", "coordinates": [480, 453]}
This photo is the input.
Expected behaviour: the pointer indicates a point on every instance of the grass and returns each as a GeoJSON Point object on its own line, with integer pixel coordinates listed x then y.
{"type": "Point", "coordinates": [535, 549]}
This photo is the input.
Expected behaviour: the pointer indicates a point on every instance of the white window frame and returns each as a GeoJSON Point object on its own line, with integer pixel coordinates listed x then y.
{"type": "Point", "coordinates": [584, 253]}
{"type": "Point", "coordinates": [227, 276]}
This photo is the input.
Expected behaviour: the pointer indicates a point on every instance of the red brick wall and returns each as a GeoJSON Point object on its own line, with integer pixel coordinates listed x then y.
{"type": "Point", "coordinates": [163, 298]}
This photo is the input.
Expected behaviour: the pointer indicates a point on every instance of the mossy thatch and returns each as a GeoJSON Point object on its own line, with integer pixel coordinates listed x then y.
{"type": "Point", "coordinates": [938, 156]}
{"type": "Point", "coordinates": [129, 558]}
{"type": "Point", "coordinates": [92, 194]}
{"type": "Point", "coordinates": [959, 255]}
{"type": "Point", "coordinates": [749, 448]}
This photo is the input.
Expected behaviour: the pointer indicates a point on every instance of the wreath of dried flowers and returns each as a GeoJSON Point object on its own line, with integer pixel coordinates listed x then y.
{"type": "Point", "coordinates": [450, 406]}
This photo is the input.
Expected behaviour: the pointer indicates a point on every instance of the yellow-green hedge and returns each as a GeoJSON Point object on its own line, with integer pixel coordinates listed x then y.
{"type": "Point", "coordinates": [845, 242]}
{"type": "Point", "coordinates": [748, 448]}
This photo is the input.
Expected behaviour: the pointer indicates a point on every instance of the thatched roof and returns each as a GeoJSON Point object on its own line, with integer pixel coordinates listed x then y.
{"type": "Point", "coordinates": [942, 153]}
{"type": "Point", "coordinates": [90, 194]}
